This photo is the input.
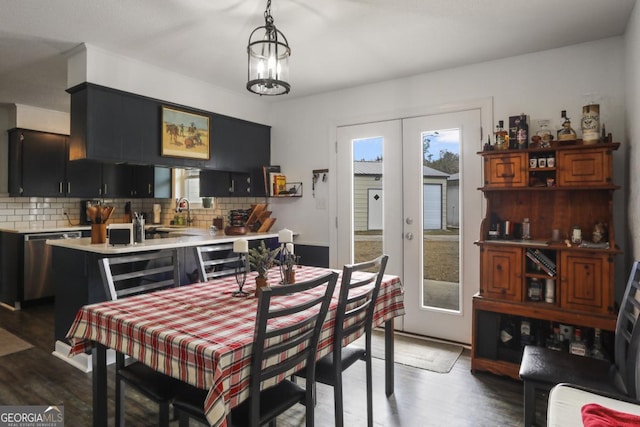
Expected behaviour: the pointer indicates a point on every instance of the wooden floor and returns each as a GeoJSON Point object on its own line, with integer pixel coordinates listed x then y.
{"type": "Point", "coordinates": [422, 398]}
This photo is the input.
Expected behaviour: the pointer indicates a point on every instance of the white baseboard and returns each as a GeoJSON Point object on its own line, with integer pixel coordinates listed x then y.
{"type": "Point", "coordinates": [82, 361]}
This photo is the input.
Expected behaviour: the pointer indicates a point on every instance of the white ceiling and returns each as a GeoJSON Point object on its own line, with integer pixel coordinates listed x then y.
{"type": "Point", "coordinates": [335, 43]}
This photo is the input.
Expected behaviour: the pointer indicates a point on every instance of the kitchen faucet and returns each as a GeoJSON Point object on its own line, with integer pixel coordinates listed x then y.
{"type": "Point", "coordinates": [179, 208]}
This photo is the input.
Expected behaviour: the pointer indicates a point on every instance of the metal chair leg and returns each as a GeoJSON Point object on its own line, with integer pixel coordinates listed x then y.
{"type": "Point", "coordinates": [337, 397]}
{"type": "Point", "coordinates": [163, 415]}
{"type": "Point", "coordinates": [369, 391]}
{"type": "Point", "coordinates": [529, 404]}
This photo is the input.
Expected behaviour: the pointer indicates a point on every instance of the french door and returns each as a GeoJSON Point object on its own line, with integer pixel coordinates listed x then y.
{"type": "Point", "coordinates": [400, 192]}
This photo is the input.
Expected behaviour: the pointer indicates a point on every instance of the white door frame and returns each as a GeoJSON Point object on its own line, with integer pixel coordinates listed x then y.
{"type": "Point", "coordinates": [486, 118]}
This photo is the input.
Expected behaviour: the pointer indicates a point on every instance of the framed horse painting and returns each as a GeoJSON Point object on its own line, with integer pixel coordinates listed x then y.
{"type": "Point", "coordinates": [184, 134]}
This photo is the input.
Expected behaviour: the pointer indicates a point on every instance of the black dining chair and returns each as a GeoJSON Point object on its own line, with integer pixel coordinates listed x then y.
{"type": "Point", "coordinates": [354, 315]}
{"type": "Point", "coordinates": [216, 261]}
{"type": "Point", "coordinates": [542, 368]}
{"type": "Point", "coordinates": [129, 275]}
{"type": "Point", "coordinates": [291, 344]}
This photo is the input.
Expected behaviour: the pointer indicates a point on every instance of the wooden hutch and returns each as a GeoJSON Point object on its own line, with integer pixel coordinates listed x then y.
{"type": "Point", "coordinates": [574, 189]}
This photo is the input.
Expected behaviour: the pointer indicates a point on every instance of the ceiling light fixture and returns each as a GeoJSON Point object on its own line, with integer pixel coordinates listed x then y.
{"type": "Point", "coordinates": [268, 59]}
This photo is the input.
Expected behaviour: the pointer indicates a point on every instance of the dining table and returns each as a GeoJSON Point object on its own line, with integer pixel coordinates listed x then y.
{"type": "Point", "coordinates": [203, 335]}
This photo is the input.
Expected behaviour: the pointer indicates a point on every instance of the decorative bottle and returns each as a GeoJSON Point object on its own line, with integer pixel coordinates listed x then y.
{"type": "Point", "coordinates": [522, 133]}
{"type": "Point", "coordinates": [501, 137]}
{"type": "Point", "coordinates": [590, 124]}
{"type": "Point", "coordinates": [566, 133]}
{"type": "Point", "coordinates": [526, 229]}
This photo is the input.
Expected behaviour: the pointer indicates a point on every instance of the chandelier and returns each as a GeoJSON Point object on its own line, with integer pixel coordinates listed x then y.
{"type": "Point", "coordinates": [269, 54]}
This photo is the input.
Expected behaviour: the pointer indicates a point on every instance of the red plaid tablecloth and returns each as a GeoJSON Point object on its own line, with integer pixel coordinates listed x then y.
{"type": "Point", "coordinates": [201, 334]}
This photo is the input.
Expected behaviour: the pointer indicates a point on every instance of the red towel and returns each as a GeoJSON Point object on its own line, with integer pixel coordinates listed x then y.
{"type": "Point", "coordinates": [594, 415]}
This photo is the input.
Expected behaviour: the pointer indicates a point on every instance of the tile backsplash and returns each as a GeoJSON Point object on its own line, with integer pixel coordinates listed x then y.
{"type": "Point", "coordinates": [33, 213]}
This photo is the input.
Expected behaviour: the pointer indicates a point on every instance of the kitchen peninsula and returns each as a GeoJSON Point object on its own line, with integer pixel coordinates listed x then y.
{"type": "Point", "coordinates": [78, 281]}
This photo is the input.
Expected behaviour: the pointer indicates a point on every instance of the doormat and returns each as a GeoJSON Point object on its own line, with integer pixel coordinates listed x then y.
{"type": "Point", "coordinates": [10, 343]}
{"type": "Point", "coordinates": [416, 352]}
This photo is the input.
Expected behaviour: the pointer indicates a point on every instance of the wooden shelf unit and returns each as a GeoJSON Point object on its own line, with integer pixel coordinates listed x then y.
{"type": "Point", "coordinates": [577, 190]}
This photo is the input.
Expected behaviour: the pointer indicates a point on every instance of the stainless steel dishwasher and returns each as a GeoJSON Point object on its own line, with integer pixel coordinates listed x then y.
{"type": "Point", "coordinates": [38, 271]}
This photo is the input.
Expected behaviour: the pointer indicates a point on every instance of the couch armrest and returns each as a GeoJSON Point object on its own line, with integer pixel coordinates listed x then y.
{"type": "Point", "coordinates": [566, 401]}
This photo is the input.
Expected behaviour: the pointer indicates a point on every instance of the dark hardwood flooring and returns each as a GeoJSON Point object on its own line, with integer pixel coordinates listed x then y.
{"type": "Point", "coordinates": [422, 398]}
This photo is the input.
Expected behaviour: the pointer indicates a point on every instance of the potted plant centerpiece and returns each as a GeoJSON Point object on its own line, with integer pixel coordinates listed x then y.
{"type": "Point", "coordinates": [261, 259]}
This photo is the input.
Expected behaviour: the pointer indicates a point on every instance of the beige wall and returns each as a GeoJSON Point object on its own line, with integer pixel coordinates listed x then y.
{"type": "Point", "coordinates": [632, 102]}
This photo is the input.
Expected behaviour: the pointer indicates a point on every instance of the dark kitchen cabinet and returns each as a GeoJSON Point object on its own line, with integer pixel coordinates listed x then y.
{"type": "Point", "coordinates": [119, 127]}
{"type": "Point", "coordinates": [151, 182]}
{"type": "Point", "coordinates": [116, 180]}
{"type": "Point", "coordinates": [46, 159]}
{"type": "Point", "coordinates": [238, 145]}
{"type": "Point", "coordinates": [37, 162]}
{"type": "Point", "coordinates": [224, 184]}
{"type": "Point", "coordinates": [84, 178]}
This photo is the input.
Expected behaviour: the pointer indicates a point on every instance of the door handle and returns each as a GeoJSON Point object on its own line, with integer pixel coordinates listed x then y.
{"type": "Point", "coordinates": [409, 235]}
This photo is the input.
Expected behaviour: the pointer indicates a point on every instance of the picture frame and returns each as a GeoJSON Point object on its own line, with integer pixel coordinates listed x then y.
{"type": "Point", "coordinates": [184, 134]}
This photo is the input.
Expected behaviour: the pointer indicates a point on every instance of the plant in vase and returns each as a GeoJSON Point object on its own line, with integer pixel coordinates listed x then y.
{"type": "Point", "coordinates": [261, 259]}
{"type": "Point", "coordinates": [288, 261]}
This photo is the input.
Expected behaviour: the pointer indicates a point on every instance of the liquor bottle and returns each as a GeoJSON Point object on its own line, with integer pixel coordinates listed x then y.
{"type": "Point", "coordinates": [554, 342]}
{"type": "Point", "coordinates": [566, 133]}
{"type": "Point", "coordinates": [578, 346]}
{"type": "Point", "coordinates": [501, 137]}
{"type": "Point", "coordinates": [597, 351]}
{"type": "Point", "coordinates": [535, 289]}
{"type": "Point", "coordinates": [522, 134]}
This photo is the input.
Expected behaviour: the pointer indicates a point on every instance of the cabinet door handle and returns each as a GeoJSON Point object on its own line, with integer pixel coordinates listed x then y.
{"type": "Point", "coordinates": [510, 175]}
{"type": "Point", "coordinates": [69, 187]}
{"type": "Point", "coordinates": [149, 189]}
{"type": "Point", "coordinates": [232, 189]}
{"type": "Point", "coordinates": [105, 189]}
{"type": "Point", "coordinates": [60, 187]}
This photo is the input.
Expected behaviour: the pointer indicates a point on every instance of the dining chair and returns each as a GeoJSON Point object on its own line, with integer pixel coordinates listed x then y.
{"type": "Point", "coordinates": [129, 275]}
{"type": "Point", "coordinates": [216, 261]}
{"type": "Point", "coordinates": [287, 329]}
{"type": "Point", "coordinates": [354, 315]}
{"type": "Point", "coordinates": [542, 368]}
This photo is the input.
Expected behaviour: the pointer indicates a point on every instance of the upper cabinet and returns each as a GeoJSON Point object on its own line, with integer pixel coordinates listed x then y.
{"type": "Point", "coordinates": [40, 167]}
{"type": "Point", "coordinates": [120, 127]}
{"type": "Point", "coordinates": [37, 163]}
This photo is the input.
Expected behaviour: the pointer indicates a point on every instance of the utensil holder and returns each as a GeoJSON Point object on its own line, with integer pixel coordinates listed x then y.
{"type": "Point", "coordinates": [98, 233]}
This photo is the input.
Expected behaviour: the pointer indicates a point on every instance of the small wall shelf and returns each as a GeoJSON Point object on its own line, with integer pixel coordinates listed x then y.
{"type": "Point", "coordinates": [292, 189]}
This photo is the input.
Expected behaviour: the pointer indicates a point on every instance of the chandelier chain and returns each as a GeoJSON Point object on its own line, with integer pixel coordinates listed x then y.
{"type": "Point", "coordinates": [268, 19]}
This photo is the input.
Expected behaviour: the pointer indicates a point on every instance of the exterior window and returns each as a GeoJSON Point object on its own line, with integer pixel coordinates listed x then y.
{"type": "Point", "coordinates": [186, 183]}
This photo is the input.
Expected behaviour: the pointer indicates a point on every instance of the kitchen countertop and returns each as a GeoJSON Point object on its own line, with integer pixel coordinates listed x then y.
{"type": "Point", "coordinates": [46, 230]}
{"type": "Point", "coordinates": [186, 237]}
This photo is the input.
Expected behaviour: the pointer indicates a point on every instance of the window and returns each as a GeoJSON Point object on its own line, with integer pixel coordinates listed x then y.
{"type": "Point", "coordinates": [186, 183]}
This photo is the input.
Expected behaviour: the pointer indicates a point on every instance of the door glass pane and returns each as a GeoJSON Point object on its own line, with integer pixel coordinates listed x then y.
{"type": "Point", "coordinates": [441, 218]}
{"type": "Point", "coordinates": [367, 198]}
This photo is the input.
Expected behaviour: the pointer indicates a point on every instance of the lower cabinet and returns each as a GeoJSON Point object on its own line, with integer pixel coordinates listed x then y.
{"type": "Point", "coordinates": [502, 329]}
{"type": "Point", "coordinates": [501, 271]}
{"type": "Point", "coordinates": [586, 281]}
{"type": "Point", "coordinates": [546, 296]}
